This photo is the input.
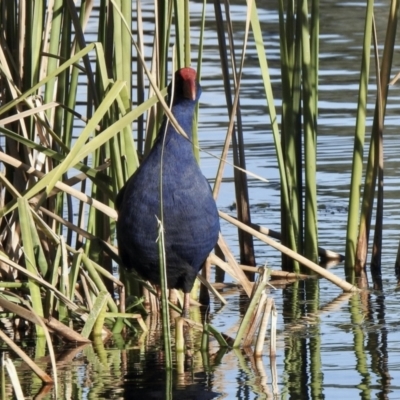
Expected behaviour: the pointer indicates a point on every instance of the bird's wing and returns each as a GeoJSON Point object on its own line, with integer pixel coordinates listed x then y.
{"type": "Point", "coordinates": [120, 196]}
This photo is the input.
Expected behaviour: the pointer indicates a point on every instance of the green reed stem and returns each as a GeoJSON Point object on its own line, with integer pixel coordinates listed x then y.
{"type": "Point", "coordinates": [27, 233]}
{"type": "Point", "coordinates": [310, 79]}
{"type": "Point", "coordinates": [164, 300]}
{"type": "Point", "coordinates": [369, 190]}
{"type": "Point", "coordinates": [356, 173]}
{"type": "Point", "coordinates": [163, 275]}
{"type": "Point", "coordinates": [195, 136]}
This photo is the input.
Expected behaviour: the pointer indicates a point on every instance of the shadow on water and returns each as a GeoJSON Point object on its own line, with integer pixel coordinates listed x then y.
{"type": "Point", "coordinates": [168, 385]}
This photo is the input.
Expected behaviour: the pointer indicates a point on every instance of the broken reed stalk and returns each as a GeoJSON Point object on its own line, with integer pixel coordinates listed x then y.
{"type": "Point", "coordinates": [211, 288]}
{"type": "Point", "coordinates": [263, 306]}
{"type": "Point", "coordinates": [37, 370]}
{"type": "Point", "coordinates": [257, 317]}
{"type": "Point", "coordinates": [233, 267]}
{"type": "Point", "coordinates": [269, 306]}
{"type": "Point", "coordinates": [345, 286]}
{"type": "Point", "coordinates": [274, 322]}
{"type": "Point", "coordinates": [250, 320]}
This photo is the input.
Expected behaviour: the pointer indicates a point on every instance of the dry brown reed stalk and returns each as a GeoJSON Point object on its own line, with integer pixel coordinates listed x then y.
{"type": "Point", "coordinates": [269, 310]}
{"type": "Point", "coordinates": [347, 287]}
{"type": "Point", "coordinates": [274, 273]}
{"type": "Point", "coordinates": [206, 283]}
{"type": "Point", "coordinates": [323, 253]}
{"type": "Point", "coordinates": [232, 265]}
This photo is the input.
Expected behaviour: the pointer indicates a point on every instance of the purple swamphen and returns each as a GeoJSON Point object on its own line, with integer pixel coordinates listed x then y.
{"type": "Point", "coordinates": [191, 222]}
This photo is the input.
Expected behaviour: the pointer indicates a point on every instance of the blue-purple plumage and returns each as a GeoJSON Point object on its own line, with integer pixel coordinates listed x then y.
{"type": "Point", "coordinates": [191, 221]}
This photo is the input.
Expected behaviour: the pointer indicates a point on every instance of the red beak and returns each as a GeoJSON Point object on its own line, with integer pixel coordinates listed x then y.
{"type": "Point", "coordinates": [188, 76]}
{"type": "Point", "coordinates": [190, 89]}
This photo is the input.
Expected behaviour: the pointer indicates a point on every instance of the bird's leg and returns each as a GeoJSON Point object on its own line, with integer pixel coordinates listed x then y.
{"type": "Point", "coordinates": [204, 296]}
{"type": "Point", "coordinates": [186, 305]}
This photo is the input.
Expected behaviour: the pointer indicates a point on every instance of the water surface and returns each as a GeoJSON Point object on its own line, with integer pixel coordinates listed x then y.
{"type": "Point", "coordinates": [329, 345]}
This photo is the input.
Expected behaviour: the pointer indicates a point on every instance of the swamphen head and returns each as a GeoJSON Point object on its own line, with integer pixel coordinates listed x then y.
{"type": "Point", "coordinates": [190, 215]}
{"type": "Point", "coordinates": [185, 86]}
